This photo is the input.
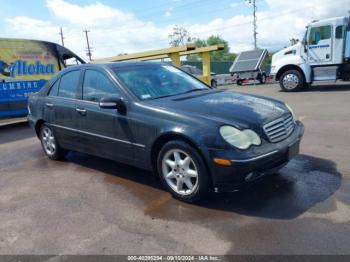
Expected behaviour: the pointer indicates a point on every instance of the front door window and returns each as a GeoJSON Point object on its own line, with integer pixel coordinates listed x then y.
{"type": "Point", "coordinates": [320, 44]}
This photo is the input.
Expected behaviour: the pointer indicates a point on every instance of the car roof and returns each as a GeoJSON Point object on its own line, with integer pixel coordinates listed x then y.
{"type": "Point", "coordinates": [116, 64]}
{"type": "Point", "coordinates": [131, 63]}
{"type": "Point", "coordinates": [110, 65]}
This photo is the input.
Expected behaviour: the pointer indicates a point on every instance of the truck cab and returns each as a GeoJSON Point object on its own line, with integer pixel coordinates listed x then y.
{"type": "Point", "coordinates": [322, 55]}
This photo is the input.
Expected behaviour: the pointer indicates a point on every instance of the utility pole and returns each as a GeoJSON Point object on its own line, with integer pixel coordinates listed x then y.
{"type": "Point", "coordinates": [62, 38]}
{"type": "Point", "coordinates": [89, 49]}
{"type": "Point", "coordinates": [254, 21]}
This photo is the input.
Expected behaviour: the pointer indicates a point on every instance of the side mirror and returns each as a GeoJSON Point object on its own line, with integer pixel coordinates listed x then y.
{"type": "Point", "coordinates": [113, 102]}
{"type": "Point", "coordinates": [304, 43]}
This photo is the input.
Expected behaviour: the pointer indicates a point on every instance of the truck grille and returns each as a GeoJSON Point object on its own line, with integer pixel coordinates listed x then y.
{"type": "Point", "coordinates": [279, 129]}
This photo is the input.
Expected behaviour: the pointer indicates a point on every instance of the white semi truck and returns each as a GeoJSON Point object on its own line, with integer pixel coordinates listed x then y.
{"type": "Point", "coordinates": [323, 55]}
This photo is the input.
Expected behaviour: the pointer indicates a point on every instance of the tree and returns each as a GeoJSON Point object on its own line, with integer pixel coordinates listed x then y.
{"type": "Point", "coordinates": [195, 57]}
{"type": "Point", "coordinates": [222, 55]}
{"type": "Point", "coordinates": [200, 42]}
{"type": "Point", "coordinates": [180, 36]}
{"type": "Point", "coordinates": [269, 58]}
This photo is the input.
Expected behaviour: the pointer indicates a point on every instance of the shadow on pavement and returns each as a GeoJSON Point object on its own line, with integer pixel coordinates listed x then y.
{"type": "Point", "coordinates": [303, 183]}
{"type": "Point", "coordinates": [328, 88]}
{"type": "Point", "coordinates": [15, 132]}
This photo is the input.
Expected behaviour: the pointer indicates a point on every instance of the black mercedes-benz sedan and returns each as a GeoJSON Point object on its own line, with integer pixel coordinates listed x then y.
{"type": "Point", "coordinates": [157, 117]}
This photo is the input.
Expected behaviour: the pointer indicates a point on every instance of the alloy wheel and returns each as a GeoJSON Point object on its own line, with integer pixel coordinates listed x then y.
{"type": "Point", "coordinates": [48, 140]}
{"type": "Point", "coordinates": [180, 172]}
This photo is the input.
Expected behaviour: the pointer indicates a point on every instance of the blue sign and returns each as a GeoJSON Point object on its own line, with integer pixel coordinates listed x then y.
{"type": "Point", "coordinates": [318, 46]}
{"type": "Point", "coordinates": [19, 90]}
{"type": "Point", "coordinates": [21, 67]}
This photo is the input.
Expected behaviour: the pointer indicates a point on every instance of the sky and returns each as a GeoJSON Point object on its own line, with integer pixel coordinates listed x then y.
{"type": "Point", "coordinates": [126, 26]}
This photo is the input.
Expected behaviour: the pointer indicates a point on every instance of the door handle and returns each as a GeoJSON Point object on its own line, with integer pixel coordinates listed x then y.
{"type": "Point", "coordinates": [49, 105]}
{"type": "Point", "coordinates": [81, 111]}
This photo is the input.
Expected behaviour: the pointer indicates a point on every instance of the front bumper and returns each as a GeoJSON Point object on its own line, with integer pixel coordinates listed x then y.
{"type": "Point", "coordinates": [268, 159]}
{"type": "Point", "coordinates": [31, 121]}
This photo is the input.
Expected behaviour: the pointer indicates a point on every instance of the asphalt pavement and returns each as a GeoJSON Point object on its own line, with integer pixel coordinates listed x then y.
{"type": "Point", "coordinates": [89, 205]}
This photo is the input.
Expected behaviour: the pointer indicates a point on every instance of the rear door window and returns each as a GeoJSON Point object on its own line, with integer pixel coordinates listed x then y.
{"type": "Point", "coordinates": [339, 32]}
{"type": "Point", "coordinates": [347, 44]}
{"type": "Point", "coordinates": [54, 89]}
{"type": "Point", "coordinates": [68, 84]}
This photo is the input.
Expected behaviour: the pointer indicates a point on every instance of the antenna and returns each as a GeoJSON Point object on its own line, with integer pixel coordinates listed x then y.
{"type": "Point", "coordinates": [89, 49]}
{"type": "Point", "coordinates": [254, 21]}
{"type": "Point", "coordinates": [62, 37]}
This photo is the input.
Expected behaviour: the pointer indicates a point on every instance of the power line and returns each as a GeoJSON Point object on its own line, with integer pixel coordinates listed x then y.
{"type": "Point", "coordinates": [183, 15]}
{"type": "Point", "coordinates": [165, 40]}
{"type": "Point", "coordinates": [200, 14]}
{"type": "Point", "coordinates": [249, 22]}
{"type": "Point", "coordinates": [88, 50]}
{"type": "Point", "coordinates": [191, 4]}
{"type": "Point", "coordinates": [216, 10]}
{"type": "Point", "coordinates": [160, 7]}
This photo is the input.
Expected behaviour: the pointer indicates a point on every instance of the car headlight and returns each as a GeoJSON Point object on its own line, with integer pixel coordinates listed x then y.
{"type": "Point", "coordinates": [292, 112]}
{"type": "Point", "coordinates": [241, 139]}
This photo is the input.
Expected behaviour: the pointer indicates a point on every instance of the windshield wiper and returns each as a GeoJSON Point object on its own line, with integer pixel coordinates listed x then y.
{"type": "Point", "coordinates": [193, 90]}
{"type": "Point", "coordinates": [189, 91]}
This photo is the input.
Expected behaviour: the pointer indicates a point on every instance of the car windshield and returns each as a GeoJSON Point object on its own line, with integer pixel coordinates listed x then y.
{"type": "Point", "coordinates": [155, 81]}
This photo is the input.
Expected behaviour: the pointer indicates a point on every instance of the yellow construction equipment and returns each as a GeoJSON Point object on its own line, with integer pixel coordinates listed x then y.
{"type": "Point", "coordinates": [174, 54]}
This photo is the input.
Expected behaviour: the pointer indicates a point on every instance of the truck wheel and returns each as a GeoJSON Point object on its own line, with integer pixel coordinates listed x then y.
{"type": "Point", "coordinates": [291, 81]}
{"type": "Point", "coordinates": [262, 79]}
{"type": "Point", "coordinates": [239, 82]}
{"type": "Point", "coordinates": [183, 171]}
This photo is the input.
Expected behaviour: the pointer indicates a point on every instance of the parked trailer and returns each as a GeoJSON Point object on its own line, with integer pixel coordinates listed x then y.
{"type": "Point", "coordinates": [25, 67]}
{"type": "Point", "coordinates": [249, 65]}
{"type": "Point", "coordinates": [224, 79]}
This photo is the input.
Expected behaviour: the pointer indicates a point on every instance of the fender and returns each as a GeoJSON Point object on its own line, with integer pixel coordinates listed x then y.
{"type": "Point", "coordinates": [303, 67]}
{"type": "Point", "coordinates": [288, 59]}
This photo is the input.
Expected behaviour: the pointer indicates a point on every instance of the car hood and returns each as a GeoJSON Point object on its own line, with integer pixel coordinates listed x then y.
{"type": "Point", "coordinates": [225, 107]}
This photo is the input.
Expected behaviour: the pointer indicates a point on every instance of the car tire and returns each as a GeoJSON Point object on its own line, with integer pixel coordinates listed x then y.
{"type": "Point", "coordinates": [292, 81]}
{"type": "Point", "coordinates": [183, 172]}
{"type": "Point", "coordinates": [214, 84]}
{"type": "Point", "coordinates": [239, 82]}
{"type": "Point", "coordinates": [50, 145]}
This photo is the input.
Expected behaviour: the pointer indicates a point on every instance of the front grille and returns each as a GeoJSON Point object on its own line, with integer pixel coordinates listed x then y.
{"type": "Point", "coordinates": [279, 129]}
